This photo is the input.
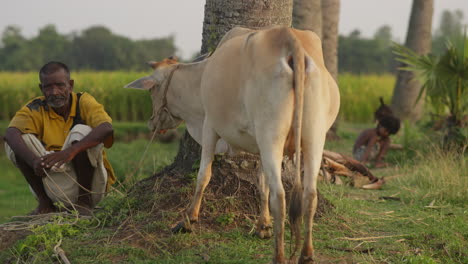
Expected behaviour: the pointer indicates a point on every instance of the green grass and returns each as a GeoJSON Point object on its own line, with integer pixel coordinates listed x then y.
{"type": "Point", "coordinates": [447, 184]}
{"type": "Point", "coordinates": [15, 196]}
{"type": "Point", "coordinates": [140, 159]}
{"type": "Point", "coordinates": [394, 230]}
{"type": "Point", "coordinates": [425, 224]}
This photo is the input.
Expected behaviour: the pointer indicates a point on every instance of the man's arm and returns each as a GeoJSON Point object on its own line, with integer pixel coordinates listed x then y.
{"type": "Point", "coordinates": [13, 137]}
{"type": "Point", "coordinates": [95, 137]}
{"type": "Point", "coordinates": [384, 146]}
{"type": "Point", "coordinates": [368, 138]}
{"type": "Point", "coordinates": [370, 144]}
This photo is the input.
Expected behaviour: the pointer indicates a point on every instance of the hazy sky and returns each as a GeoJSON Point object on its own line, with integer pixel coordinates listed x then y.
{"type": "Point", "coordinates": [139, 19]}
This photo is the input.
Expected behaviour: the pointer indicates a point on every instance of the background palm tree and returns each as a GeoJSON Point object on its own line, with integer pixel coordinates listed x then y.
{"type": "Point", "coordinates": [418, 39]}
{"type": "Point", "coordinates": [444, 82]}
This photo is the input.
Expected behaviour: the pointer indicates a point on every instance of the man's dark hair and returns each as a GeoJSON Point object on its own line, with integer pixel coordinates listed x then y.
{"type": "Point", "coordinates": [53, 66]}
{"type": "Point", "coordinates": [383, 110]}
{"type": "Point", "coordinates": [391, 123]}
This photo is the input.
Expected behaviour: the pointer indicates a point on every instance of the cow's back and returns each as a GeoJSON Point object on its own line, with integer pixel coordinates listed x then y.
{"type": "Point", "coordinates": [243, 78]}
{"type": "Point", "coordinates": [248, 79]}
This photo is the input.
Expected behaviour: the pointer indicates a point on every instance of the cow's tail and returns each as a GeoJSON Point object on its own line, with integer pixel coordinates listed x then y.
{"type": "Point", "coordinates": [298, 65]}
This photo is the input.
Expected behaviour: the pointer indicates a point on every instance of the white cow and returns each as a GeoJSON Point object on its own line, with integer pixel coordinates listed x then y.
{"type": "Point", "coordinates": [262, 91]}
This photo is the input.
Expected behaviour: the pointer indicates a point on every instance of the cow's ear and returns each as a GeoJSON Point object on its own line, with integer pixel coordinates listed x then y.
{"type": "Point", "coordinates": [153, 64]}
{"type": "Point", "coordinates": [174, 58]}
{"type": "Point", "coordinates": [144, 83]}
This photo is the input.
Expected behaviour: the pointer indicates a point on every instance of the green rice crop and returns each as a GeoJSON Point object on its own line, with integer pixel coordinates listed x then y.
{"type": "Point", "coordinates": [359, 94]}
{"type": "Point", "coordinates": [15, 90]}
{"type": "Point", "coordinates": [122, 104]}
{"type": "Point", "coordinates": [107, 87]}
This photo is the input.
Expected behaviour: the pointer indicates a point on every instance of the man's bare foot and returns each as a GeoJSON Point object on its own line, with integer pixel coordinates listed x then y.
{"type": "Point", "coordinates": [42, 209]}
{"type": "Point", "coordinates": [381, 165]}
{"type": "Point", "coordinates": [83, 209]}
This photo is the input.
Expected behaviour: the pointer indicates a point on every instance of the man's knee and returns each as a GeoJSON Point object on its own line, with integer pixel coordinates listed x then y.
{"type": "Point", "coordinates": [78, 132]}
{"type": "Point", "coordinates": [31, 142]}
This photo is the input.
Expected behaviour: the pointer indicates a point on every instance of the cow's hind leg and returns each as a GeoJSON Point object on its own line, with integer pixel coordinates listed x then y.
{"type": "Point", "coordinates": [312, 154]}
{"type": "Point", "coordinates": [203, 178]}
{"type": "Point", "coordinates": [263, 228]}
{"type": "Point", "coordinates": [271, 158]}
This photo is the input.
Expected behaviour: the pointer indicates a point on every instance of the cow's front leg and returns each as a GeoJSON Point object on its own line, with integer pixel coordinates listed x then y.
{"type": "Point", "coordinates": [203, 178]}
{"type": "Point", "coordinates": [263, 227]}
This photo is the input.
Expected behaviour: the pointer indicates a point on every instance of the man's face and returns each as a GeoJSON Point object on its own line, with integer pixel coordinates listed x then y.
{"type": "Point", "coordinates": [383, 132]}
{"type": "Point", "coordinates": [57, 88]}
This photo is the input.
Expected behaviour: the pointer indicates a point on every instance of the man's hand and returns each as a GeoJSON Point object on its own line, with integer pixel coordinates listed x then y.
{"type": "Point", "coordinates": [57, 159]}
{"type": "Point", "coordinates": [38, 168]}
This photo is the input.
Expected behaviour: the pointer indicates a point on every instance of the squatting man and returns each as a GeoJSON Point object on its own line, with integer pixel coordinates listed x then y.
{"type": "Point", "coordinates": [56, 140]}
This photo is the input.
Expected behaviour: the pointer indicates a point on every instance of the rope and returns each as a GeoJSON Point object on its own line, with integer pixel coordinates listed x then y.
{"type": "Point", "coordinates": [162, 108]}
{"type": "Point", "coordinates": [132, 176]}
{"type": "Point", "coordinates": [60, 253]}
{"type": "Point", "coordinates": [164, 98]}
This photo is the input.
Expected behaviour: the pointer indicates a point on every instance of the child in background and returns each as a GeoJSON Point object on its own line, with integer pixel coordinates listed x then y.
{"type": "Point", "coordinates": [373, 143]}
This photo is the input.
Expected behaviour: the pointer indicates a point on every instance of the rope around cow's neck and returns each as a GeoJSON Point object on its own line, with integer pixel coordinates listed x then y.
{"type": "Point", "coordinates": [158, 114]}
{"type": "Point", "coordinates": [164, 97]}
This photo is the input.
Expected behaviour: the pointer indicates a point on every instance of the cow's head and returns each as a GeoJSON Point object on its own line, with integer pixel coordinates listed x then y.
{"type": "Point", "coordinates": [157, 83]}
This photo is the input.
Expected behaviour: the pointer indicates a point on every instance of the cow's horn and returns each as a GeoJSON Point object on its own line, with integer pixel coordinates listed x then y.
{"type": "Point", "coordinates": [152, 64]}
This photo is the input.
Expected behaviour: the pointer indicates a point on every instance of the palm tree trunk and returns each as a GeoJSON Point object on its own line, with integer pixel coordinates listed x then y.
{"type": "Point", "coordinates": [307, 15]}
{"type": "Point", "coordinates": [322, 17]}
{"type": "Point", "coordinates": [330, 20]}
{"type": "Point", "coordinates": [221, 16]}
{"type": "Point", "coordinates": [419, 40]}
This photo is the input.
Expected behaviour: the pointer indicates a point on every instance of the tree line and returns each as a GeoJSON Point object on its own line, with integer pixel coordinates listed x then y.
{"type": "Point", "coordinates": [360, 55]}
{"type": "Point", "coordinates": [97, 48]}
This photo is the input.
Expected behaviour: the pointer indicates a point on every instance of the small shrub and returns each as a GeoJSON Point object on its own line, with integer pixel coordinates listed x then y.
{"type": "Point", "coordinates": [39, 246]}
{"type": "Point", "coordinates": [226, 219]}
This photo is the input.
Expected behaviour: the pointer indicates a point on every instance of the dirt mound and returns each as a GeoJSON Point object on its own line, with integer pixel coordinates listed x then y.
{"type": "Point", "coordinates": [9, 237]}
{"type": "Point", "coordinates": [231, 194]}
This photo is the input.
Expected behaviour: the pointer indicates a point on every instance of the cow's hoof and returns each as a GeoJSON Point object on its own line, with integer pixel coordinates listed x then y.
{"type": "Point", "coordinates": [182, 227]}
{"type": "Point", "coordinates": [306, 260]}
{"type": "Point", "coordinates": [264, 232]}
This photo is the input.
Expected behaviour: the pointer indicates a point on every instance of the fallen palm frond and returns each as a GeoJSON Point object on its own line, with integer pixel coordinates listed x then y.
{"type": "Point", "coordinates": [339, 164]}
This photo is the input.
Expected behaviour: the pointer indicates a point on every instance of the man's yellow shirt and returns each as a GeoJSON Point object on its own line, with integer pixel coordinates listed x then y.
{"type": "Point", "coordinates": [37, 118]}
